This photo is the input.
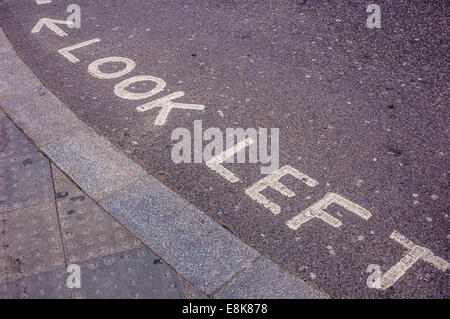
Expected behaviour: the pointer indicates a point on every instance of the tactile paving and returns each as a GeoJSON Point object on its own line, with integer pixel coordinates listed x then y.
{"type": "Point", "coordinates": [25, 180]}
{"type": "Point", "coordinates": [134, 274]}
{"type": "Point", "coordinates": [88, 231]}
{"type": "Point", "coordinates": [30, 242]}
{"type": "Point", "coordinates": [12, 141]}
{"type": "Point", "coordinates": [190, 291]}
{"type": "Point", "coordinates": [47, 285]}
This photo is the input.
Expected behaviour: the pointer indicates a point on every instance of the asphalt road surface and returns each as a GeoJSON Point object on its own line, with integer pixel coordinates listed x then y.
{"type": "Point", "coordinates": [363, 112]}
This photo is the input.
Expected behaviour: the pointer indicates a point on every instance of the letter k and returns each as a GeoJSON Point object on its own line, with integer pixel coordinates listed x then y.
{"type": "Point", "coordinates": [166, 105]}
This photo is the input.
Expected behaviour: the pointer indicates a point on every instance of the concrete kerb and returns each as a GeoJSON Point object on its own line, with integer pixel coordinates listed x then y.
{"type": "Point", "coordinates": [183, 236]}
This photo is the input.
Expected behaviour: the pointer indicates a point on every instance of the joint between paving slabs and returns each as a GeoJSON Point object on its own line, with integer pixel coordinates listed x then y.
{"type": "Point", "coordinates": [9, 57]}
{"type": "Point", "coordinates": [235, 275]}
{"type": "Point", "coordinates": [66, 136]}
{"type": "Point", "coordinates": [180, 277]}
{"type": "Point", "coordinates": [59, 222]}
{"type": "Point", "coordinates": [38, 150]}
{"type": "Point", "coordinates": [97, 200]}
{"type": "Point", "coordinates": [10, 95]}
{"type": "Point", "coordinates": [246, 267]}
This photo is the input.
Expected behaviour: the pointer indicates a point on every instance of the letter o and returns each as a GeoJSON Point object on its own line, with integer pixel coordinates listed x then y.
{"type": "Point", "coordinates": [120, 88]}
{"type": "Point", "coordinates": [94, 70]}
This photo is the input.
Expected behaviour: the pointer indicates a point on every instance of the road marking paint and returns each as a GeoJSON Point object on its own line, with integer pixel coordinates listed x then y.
{"type": "Point", "coordinates": [317, 210]}
{"type": "Point", "coordinates": [414, 254]}
{"type": "Point", "coordinates": [43, 1]}
{"type": "Point", "coordinates": [239, 134]}
{"type": "Point", "coordinates": [94, 69]}
{"type": "Point", "coordinates": [215, 162]}
{"type": "Point", "coordinates": [166, 105]}
{"type": "Point", "coordinates": [120, 88]}
{"type": "Point", "coordinates": [65, 51]}
{"type": "Point", "coordinates": [272, 181]}
{"type": "Point", "coordinates": [51, 24]}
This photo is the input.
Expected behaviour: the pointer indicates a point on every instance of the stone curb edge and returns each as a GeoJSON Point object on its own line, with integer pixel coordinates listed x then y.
{"type": "Point", "coordinates": [202, 251]}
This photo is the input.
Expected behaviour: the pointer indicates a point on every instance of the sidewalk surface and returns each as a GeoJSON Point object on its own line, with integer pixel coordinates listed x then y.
{"type": "Point", "coordinates": [68, 196]}
{"type": "Point", "coordinates": [47, 223]}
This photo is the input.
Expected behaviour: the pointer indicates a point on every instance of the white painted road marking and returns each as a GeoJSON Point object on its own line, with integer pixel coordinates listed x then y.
{"type": "Point", "coordinates": [273, 181]}
{"type": "Point", "coordinates": [166, 105]}
{"type": "Point", "coordinates": [43, 1]}
{"type": "Point", "coordinates": [120, 88]}
{"type": "Point", "coordinates": [215, 162]}
{"type": "Point", "coordinates": [94, 67]}
{"type": "Point", "coordinates": [317, 210]}
{"type": "Point", "coordinates": [51, 24]}
{"type": "Point", "coordinates": [65, 51]}
{"type": "Point", "coordinates": [414, 254]}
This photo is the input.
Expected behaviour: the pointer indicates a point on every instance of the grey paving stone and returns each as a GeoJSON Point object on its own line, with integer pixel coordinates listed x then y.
{"type": "Point", "coordinates": [46, 285]}
{"type": "Point", "coordinates": [265, 280]}
{"type": "Point", "coordinates": [134, 274]}
{"type": "Point", "coordinates": [93, 163]}
{"type": "Point", "coordinates": [25, 180]}
{"type": "Point", "coordinates": [5, 47]}
{"type": "Point", "coordinates": [12, 140]}
{"type": "Point", "coordinates": [63, 185]}
{"type": "Point", "coordinates": [15, 77]}
{"type": "Point", "coordinates": [30, 242]}
{"type": "Point", "coordinates": [41, 115]}
{"type": "Point", "coordinates": [200, 249]}
{"type": "Point", "coordinates": [190, 291]}
{"type": "Point", "coordinates": [88, 231]}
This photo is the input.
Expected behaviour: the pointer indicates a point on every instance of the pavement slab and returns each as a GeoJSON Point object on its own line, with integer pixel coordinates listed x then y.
{"type": "Point", "coordinates": [41, 115]}
{"type": "Point", "coordinates": [30, 242]}
{"type": "Point", "coordinates": [16, 77]}
{"type": "Point", "coordinates": [190, 291]}
{"type": "Point", "coordinates": [88, 230]}
{"type": "Point", "coordinates": [12, 141]}
{"type": "Point", "coordinates": [32, 257]}
{"type": "Point", "coordinates": [265, 280]}
{"type": "Point", "coordinates": [93, 163]}
{"type": "Point", "coordinates": [201, 250]}
{"type": "Point", "coordinates": [6, 49]}
{"type": "Point", "coordinates": [135, 274]}
{"type": "Point", "coordinates": [26, 181]}
{"type": "Point", "coordinates": [45, 285]}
